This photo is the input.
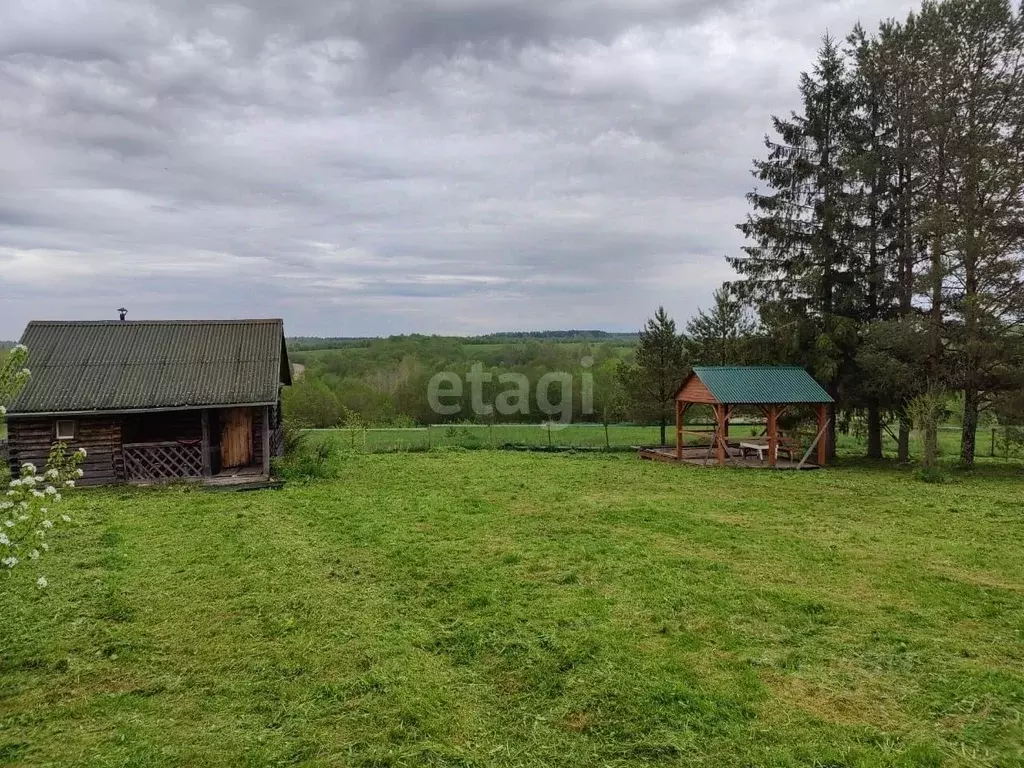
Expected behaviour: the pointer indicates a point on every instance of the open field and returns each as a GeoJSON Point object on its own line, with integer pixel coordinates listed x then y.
{"type": "Point", "coordinates": [493, 608]}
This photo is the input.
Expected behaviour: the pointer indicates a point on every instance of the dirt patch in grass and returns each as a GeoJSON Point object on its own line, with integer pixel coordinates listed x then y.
{"type": "Point", "coordinates": [851, 706]}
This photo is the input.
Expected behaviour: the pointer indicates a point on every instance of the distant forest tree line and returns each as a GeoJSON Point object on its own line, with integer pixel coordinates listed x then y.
{"type": "Point", "coordinates": [384, 382]}
{"type": "Point", "coordinates": [307, 343]}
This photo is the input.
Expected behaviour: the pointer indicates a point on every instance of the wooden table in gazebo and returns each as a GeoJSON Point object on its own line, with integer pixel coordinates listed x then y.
{"type": "Point", "coordinates": [773, 390]}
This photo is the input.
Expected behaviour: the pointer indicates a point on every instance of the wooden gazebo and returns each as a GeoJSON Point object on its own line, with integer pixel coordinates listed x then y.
{"type": "Point", "coordinates": [772, 389]}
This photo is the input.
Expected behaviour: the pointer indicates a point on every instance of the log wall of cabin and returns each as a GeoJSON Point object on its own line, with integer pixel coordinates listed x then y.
{"type": "Point", "coordinates": [30, 440]}
{"type": "Point", "coordinates": [276, 434]}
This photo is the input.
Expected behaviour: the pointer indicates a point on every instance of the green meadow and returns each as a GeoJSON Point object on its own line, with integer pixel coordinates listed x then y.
{"type": "Point", "coordinates": [453, 608]}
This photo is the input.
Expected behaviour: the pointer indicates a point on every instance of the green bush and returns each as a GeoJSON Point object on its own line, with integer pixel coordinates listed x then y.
{"type": "Point", "coordinates": [934, 475]}
{"type": "Point", "coordinates": [304, 457]}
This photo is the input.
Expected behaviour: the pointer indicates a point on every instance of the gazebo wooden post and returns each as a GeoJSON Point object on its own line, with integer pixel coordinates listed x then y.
{"type": "Point", "coordinates": [823, 442]}
{"type": "Point", "coordinates": [679, 430]}
{"type": "Point", "coordinates": [773, 435]}
{"type": "Point", "coordinates": [721, 419]}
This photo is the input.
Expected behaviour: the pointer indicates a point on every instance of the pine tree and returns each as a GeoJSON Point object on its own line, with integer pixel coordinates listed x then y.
{"type": "Point", "coordinates": [895, 56]}
{"type": "Point", "coordinates": [884, 157]}
{"type": "Point", "coordinates": [721, 336]}
{"type": "Point", "coordinates": [869, 160]}
{"type": "Point", "coordinates": [659, 368]}
{"type": "Point", "coordinates": [984, 286]}
{"type": "Point", "coordinates": [892, 235]}
{"type": "Point", "coordinates": [937, 55]}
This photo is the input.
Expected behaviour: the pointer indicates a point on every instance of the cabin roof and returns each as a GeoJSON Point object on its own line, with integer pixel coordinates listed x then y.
{"type": "Point", "coordinates": [761, 384]}
{"type": "Point", "coordinates": [118, 366]}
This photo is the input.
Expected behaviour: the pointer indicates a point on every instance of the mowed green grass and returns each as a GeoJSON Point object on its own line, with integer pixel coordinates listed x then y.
{"type": "Point", "coordinates": [506, 609]}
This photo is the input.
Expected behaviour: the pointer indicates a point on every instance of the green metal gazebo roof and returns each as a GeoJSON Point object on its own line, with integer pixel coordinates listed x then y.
{"type": "Point", "coordinates": [762, 384]}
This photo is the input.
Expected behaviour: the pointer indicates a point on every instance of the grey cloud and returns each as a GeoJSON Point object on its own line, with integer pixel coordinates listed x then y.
{"type": "Point", "coordinates": [377, 167]}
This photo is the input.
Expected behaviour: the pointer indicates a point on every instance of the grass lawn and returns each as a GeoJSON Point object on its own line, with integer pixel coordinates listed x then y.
{"type": "Point", "coordinates": [511, 609]}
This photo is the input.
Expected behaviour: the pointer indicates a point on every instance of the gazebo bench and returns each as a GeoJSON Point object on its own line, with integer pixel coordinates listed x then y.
{"type": "Point", "coordinates": [760, 448]}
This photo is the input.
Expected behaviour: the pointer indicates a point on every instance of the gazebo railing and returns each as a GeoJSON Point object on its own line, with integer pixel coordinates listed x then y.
{"type": "Point", "coordinates": [160, 462]}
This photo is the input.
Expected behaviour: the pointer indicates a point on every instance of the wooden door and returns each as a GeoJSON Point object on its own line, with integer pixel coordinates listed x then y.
{"type": "Point", "coordinates": [236, 438]}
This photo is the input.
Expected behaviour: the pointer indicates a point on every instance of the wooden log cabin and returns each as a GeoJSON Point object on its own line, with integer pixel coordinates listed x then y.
{"type": "Point", "coordinates": [154, 401]}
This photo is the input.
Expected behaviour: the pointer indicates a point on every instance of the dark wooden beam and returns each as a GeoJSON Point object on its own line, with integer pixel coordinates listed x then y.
{"type": "Point", "coordinates": [207, 461]}
{"type": "Point", "coordinates": [773, 435]}
{"type": "Point", "coordinates": [266, 440]}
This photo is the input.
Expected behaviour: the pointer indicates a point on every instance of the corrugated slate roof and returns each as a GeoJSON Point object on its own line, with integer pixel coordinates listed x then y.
{"type": "Point", "coordinates": [81, 367]}
{"type": "Point", "coordinates": [743, 385]}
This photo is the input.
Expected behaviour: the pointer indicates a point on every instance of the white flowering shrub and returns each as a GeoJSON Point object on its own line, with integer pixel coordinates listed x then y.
{"type": "Point", "coordinates": [30, 509]}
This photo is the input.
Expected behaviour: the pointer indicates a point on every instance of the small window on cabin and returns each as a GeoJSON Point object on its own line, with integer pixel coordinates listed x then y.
{"type": "Point", "coordinates": [65, 430]}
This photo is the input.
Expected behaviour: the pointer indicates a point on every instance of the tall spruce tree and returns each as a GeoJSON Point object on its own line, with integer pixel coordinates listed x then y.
{"type": "Point", "coordinates": [799, 267]}
{"type": "Point", "coordinates": [660, 366]}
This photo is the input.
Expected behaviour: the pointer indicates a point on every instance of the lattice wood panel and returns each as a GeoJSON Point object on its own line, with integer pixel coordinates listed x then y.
{"type": "Point", "coordinates": [153, 462]}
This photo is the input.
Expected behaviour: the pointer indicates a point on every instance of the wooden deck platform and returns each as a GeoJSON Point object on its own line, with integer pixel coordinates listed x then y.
{"type": "Point", "coordinates": [242, 479]}
{"type": "Point", "coordinates": [700, 457]}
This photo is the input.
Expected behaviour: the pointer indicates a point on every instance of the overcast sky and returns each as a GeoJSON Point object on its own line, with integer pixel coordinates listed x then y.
{"type": "Point", "coordinates": [369, 167]}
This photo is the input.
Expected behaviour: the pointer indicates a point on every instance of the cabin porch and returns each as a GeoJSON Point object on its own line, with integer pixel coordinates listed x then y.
{"type": "Point", "coordinates": [216, 446]}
